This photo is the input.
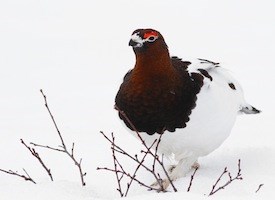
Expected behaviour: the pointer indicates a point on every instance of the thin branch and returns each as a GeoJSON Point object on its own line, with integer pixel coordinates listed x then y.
{"type": "Point", "coordinates": [163, 184]}
{"type": "Point", "coordinates": [56, 127]}
{"type": "Point", "coordinates": [218, 180]}
{"type": "Point", "coordinates": [120, 150]}
{"type": "Point", "coordinates": [115, 166]}
{"type": "Point", "coordinates": [78, 164]}
{"type": "Point", "coordinates": [63, 146]}
{"type": "Point", "coordinates": [47, 147]}
{"type": "Point", "coordinates": [26, 178]}
{"type": "Point", "coordinates": [130, 176]}
{"type": "Point", "coordinates": [134, 158]}
{"type": "Point", "coordinates": [192, 178]}
{"type": "Point", "coordinates": [140, 163]}
{"type": "Point", "coordinates": [156, 158]}
{"type": "Point", "coordinates": [36, 155]}
{"type": "Point", "coordinates": [137, 168]}
{"type": "Point", "coordinates": [131, 124]}
{"type": "Point", "coordinates": [237, 177]}
{"type": "Point", "coordinates": [156, 152]}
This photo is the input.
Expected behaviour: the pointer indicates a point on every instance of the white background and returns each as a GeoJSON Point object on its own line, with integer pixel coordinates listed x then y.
{"type": "Point", "coordinates": [77, 52]}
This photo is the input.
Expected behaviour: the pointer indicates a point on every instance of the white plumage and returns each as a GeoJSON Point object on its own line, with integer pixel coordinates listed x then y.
{"type": "Point", "coordinates": [210, 122]}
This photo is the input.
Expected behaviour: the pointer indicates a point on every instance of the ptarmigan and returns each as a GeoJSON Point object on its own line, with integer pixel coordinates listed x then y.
{"type": "Point", "coordinates": [194, 103]}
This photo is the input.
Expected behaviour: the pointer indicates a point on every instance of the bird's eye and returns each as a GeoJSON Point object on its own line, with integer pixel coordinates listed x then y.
{"type": "Point", "coordinates": [151, 38]}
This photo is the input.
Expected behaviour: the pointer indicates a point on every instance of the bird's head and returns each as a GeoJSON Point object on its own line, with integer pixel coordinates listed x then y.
{"type": "Point", "coordinates": [144, 39]}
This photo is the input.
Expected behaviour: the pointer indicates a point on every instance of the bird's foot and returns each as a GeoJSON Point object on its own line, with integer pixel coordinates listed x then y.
{"type": "Point", "coordinates": [161, 185]}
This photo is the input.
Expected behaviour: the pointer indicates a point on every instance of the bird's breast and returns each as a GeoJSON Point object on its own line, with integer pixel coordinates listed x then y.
{"type": "Point", "coordinates": [155, 105]}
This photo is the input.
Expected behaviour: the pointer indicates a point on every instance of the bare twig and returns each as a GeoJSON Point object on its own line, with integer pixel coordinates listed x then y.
{"type": "Point", "coordinates": [26, 178]}
{"type": "Point", "coordinates": [56, 127]}
{"type": "Point", "coordinates": [115, 166]}
{"type": "Point", "coordinates": [260, 186]}
{"type": "Point", "coordinates": [120, 150]}
{"type": "Point", "coordinates": [156, 150]}
{"type": "Point", "coordinates": [118, 169]}
{"type": "Point", "coordinates": [130, 176]}
{"type": "Point", "coordinates": [47, 147]}
{"type": "Point", "coordinates": [36, 155]}
{"type": "Point", "coordinates": [192, 178]}
{"type": "Point", "coordinates": [156, 158]}
{"type": "Point", "coordinates": [63, 145]}
{"type": "Point", "coordinates": [140, 163]}
{"type": "Point", "coordinates": [218, 180]}
{"type": "Point", "coordinates": [137, 168]}
{"type": "Point", "coordinates": [237, 177]}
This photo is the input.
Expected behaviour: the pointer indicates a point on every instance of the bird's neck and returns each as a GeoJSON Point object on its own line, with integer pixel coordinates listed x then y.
{"type": "Point", "coordinates": [153, 64]}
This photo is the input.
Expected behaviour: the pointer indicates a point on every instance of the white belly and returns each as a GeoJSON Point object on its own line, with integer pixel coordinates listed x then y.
{"type": "Point", "coordinates": [210, 123]}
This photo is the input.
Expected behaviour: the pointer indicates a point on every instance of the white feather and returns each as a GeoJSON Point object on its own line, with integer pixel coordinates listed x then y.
{"type": "Point", "coordinates": [210, 123]}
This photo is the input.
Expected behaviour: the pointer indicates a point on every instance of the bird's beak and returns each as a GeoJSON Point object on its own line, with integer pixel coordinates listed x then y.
{"type": "Point", "coordinates": [136, 41]}
{"type": "Point", "coordinates": [132, 43]}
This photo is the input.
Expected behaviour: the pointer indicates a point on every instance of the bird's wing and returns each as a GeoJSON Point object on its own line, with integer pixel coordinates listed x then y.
{"type": "Point", "coordinates": [205, 68]}
{"type": "Point", "coordinates": [216, 75]}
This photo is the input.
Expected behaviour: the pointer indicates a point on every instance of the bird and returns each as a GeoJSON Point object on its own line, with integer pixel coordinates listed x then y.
{"type": "Point", "coordinates": [192, 104]}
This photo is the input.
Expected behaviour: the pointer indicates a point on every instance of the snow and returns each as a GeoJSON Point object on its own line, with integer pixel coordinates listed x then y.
{"type": "Point", "coordinates": [77, 52]}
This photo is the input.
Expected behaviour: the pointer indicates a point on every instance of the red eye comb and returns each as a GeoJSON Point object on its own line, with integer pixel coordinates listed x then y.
{"type": "Point", "coordinates": [149, 34]}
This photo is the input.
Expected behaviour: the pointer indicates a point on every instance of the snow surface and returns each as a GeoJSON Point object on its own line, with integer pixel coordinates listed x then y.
{"type": "Point", "coordinates": [77, 52]}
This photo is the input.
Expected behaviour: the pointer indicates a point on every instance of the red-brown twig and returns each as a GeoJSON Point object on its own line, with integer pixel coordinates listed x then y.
{"type": "Point", "coordinates": [36, 155]}
{"type": "Point", "coordinates": [130, 176]}
{"type": "Point", "coordinates": [115, 166]}
{"type": "Point", "coordinates": [118, 169]}
{"type": "Point", "coordinates": [137, 168]}
{"type": "Point", "coordinates": [237, 177]}
{"type": "Point", "coordinates": [63, 146]}
{"type": "Point", "coordinates": [47, 147]}
{"type": "Point", "coordinates": [156, 158]}
{"type": "Point", "coordinates": [191, 179]}
{"type": "Point", "coordinates": [53, 120]}
{"type": "Point", "coordinates": [260, 186]}
{"type": "Point", "coordinates": [140, 163]}
{"type": "Point", "coordinates": [26, 178]}
{"type": "Point", "coordinates": [123, 152]}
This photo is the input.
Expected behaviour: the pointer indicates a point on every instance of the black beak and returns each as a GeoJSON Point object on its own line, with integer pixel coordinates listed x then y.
{"type": "Point", "coordinates": [132, 43]}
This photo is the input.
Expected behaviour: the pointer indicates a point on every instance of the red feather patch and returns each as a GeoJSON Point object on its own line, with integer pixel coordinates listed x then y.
{"type": "Point", "coordinates": [149, 34]}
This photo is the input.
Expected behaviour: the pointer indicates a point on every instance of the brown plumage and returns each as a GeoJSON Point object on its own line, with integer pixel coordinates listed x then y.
{"type": "Point", "coordinates": [158, 93]}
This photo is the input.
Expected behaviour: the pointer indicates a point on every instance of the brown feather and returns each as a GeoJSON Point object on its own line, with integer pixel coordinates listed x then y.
{"type": "Point", "coordinates": [158, 93]}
